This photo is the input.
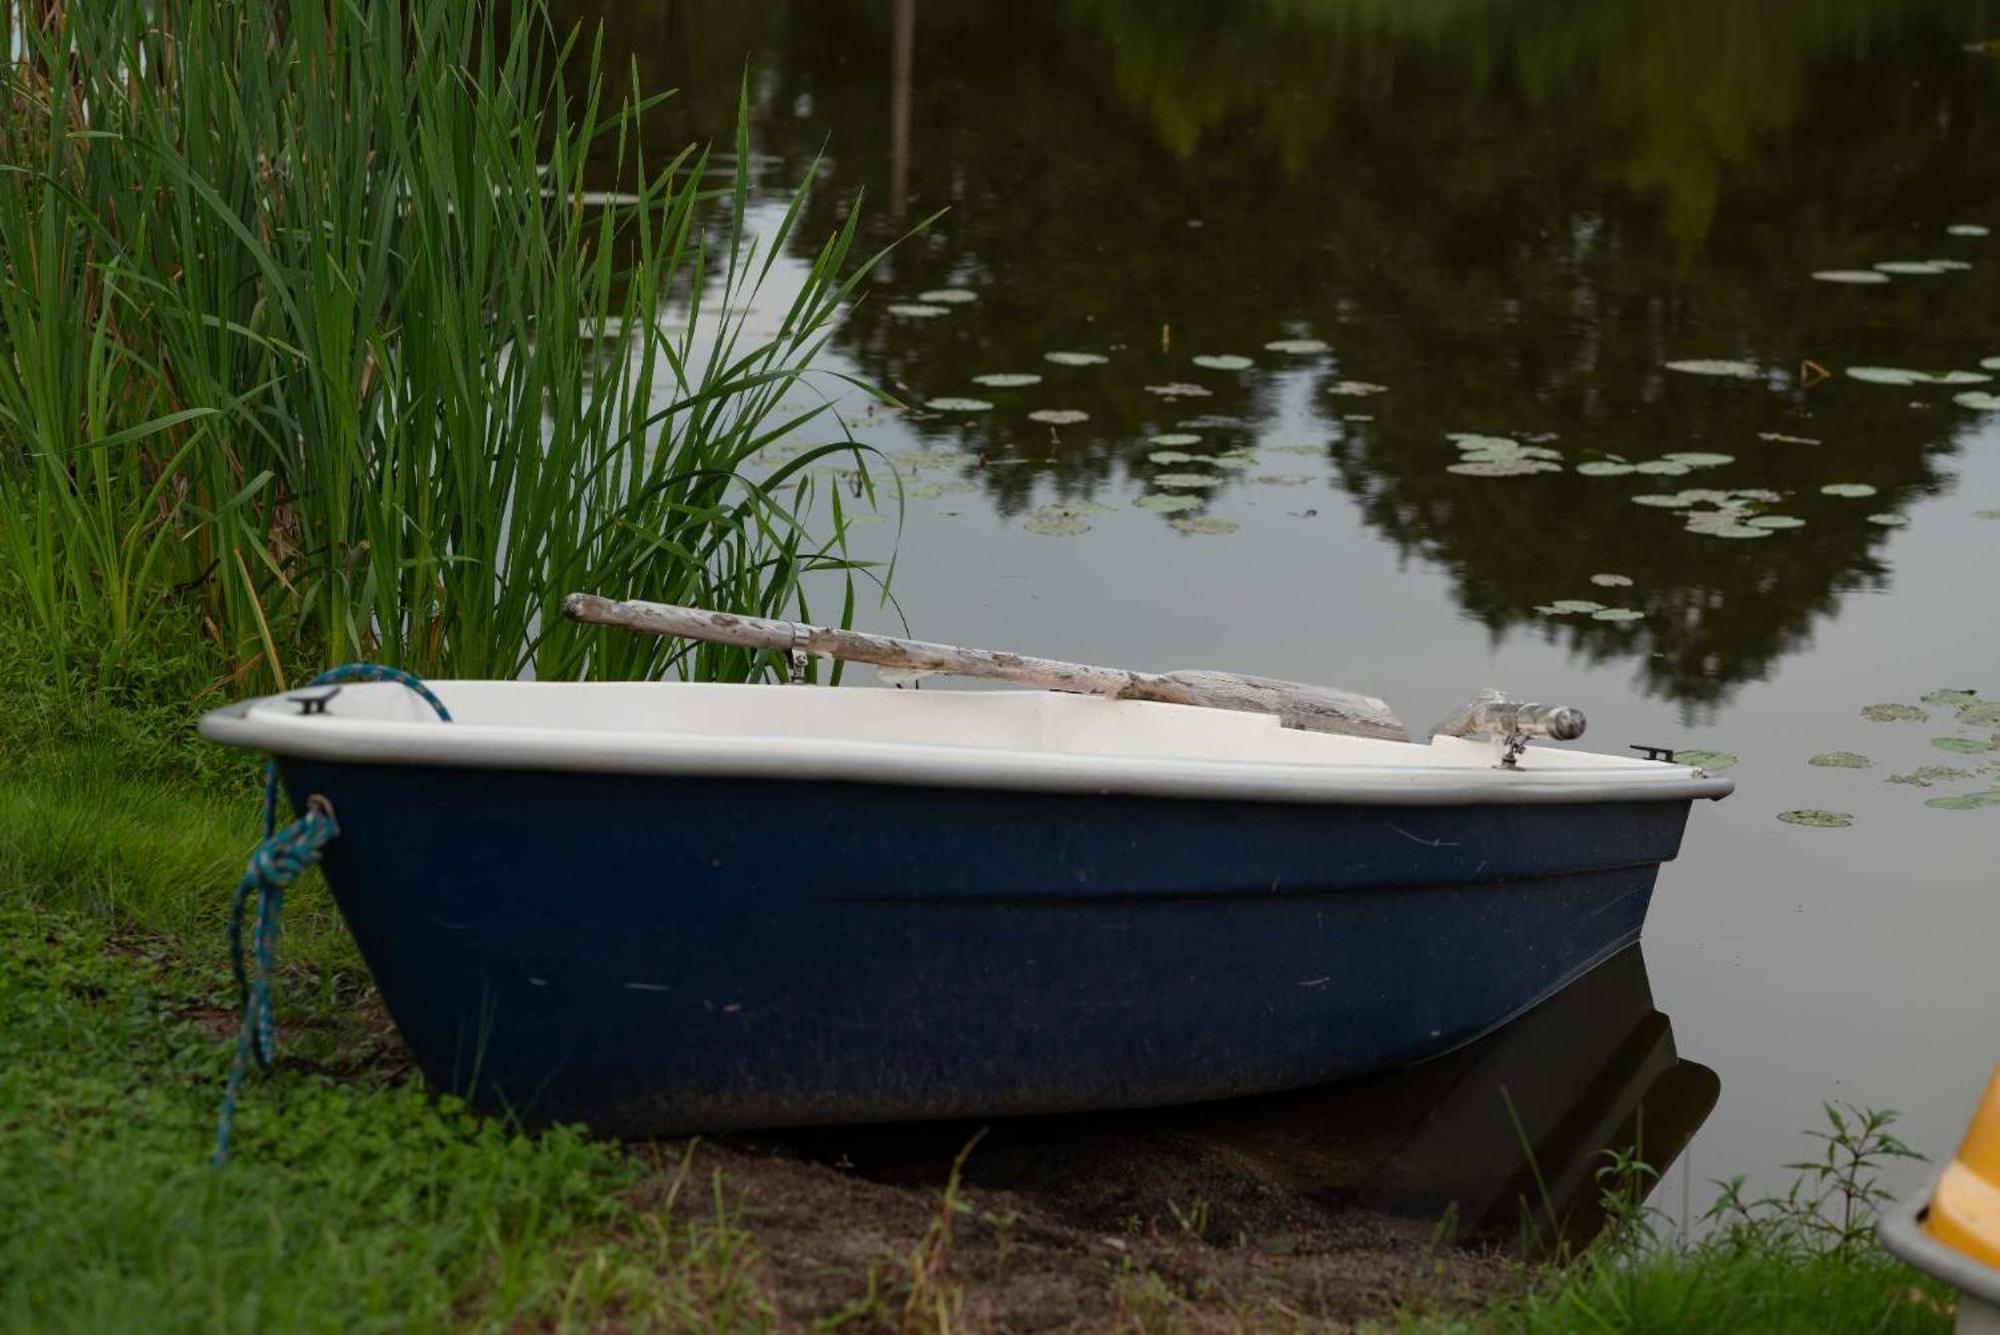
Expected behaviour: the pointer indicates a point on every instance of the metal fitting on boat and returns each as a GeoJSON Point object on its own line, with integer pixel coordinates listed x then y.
{"type": "Point", "coordinates": [1560, 723]}
{"type": "Point", "coordinates": [1511, 723]}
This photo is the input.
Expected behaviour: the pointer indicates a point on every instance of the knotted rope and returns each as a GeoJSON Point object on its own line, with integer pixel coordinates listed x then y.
{"type": "Point", "coordinates": [278, 860]}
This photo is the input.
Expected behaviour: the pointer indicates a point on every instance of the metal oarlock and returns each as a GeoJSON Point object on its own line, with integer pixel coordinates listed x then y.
{"type": "Point", "coordinates": [797, 654]}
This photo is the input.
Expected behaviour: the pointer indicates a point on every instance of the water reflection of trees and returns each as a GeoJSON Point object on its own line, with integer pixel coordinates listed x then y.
{"type": "Point", "coordinates": [1510, 214]}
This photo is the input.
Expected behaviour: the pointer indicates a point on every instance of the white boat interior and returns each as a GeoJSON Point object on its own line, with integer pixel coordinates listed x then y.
{"type": "Point", "coordinates": [1012, 739]}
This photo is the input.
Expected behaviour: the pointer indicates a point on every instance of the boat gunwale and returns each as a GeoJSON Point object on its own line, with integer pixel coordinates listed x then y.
{"type": "Point", "coordinates": [487, 746]}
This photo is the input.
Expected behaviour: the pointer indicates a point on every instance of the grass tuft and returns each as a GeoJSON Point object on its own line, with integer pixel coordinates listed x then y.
{"type": "Point", "coordinates": [315, 346]}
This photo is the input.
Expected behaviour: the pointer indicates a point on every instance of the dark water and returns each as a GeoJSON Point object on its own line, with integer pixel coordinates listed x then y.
{"type": "Point", "coordinates": [1511, 218]}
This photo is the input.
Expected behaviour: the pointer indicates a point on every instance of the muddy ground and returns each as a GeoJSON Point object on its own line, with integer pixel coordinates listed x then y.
{"type": "Point", "coordinates": [1431, 1188]}
{"type": "Point", "coordinates": [1061, 1226]}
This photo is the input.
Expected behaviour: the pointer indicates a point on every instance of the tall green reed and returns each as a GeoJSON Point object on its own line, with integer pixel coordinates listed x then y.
{"type": "Point", "coordinates": [313, 334]}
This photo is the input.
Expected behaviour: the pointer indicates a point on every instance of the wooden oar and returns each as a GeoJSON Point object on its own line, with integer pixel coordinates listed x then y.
{"type": "Point", "coordinates": [1313, 708]}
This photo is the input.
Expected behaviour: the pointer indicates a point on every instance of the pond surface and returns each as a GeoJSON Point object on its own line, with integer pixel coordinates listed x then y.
{"type": "Point", "coordinates": [1432, 344]}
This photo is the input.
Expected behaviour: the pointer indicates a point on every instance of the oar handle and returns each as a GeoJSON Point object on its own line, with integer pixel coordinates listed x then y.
{"type": "Point", "coordinates": [749, 632]}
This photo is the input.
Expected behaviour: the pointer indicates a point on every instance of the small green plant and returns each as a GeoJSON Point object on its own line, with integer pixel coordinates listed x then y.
{"type": "Point", "coordinates": [1624, 1181]}
{"type": "Point", "coordinates": [935, 1301]}
{"type": "Point", "coordinates": [1832, 1203]}
{"type": "Point", "coordinates": [1192, 1221]}
{"type": "Point", "coordinates": [1804, 1260]}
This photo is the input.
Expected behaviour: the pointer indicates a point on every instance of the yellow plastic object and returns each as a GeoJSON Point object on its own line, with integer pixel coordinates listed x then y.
{"type": "Point", "coordinates": [1965, 1207]}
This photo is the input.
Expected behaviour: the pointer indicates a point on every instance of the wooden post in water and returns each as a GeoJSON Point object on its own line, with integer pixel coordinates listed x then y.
{"type": "Point", "coordinates": [902, 63]}
{"type": "Point", "coordinates": [1297, 705]}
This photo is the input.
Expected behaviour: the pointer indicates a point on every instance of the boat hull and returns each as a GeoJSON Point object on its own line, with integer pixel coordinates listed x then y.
{"type": "Point", "coordinates": [667, 953]}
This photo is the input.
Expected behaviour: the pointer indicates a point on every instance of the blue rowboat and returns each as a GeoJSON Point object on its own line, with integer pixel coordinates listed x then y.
{"type": "Point", "coordinates": [661, 907]}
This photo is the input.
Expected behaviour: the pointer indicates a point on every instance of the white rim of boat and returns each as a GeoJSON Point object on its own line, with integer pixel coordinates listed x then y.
{"type": "Point", "coordinates": [1542, 779]}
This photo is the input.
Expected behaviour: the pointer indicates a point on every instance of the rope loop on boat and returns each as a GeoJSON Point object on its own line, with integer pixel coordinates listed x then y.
{"type": "Point", "coordinates": [280, 858]}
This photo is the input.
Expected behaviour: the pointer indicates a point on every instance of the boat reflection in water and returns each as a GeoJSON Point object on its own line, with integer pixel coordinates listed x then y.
{"type": "Point", "coordinates": [1501, 1141]}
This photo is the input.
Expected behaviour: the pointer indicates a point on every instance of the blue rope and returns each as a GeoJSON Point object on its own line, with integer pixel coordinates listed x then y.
{"type": "Point", "coordinates": [279, 859]}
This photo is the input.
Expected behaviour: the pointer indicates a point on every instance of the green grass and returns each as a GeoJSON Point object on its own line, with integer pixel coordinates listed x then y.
{"type": "Point", "coordinates": [350, 1206]}
{"type": "Point", "coordinates": [1724, 1289]}
{"type": "Point", "coordinates": [311, 349]}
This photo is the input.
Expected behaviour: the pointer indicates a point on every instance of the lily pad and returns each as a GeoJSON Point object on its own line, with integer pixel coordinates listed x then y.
{"type": "Point", "coordinates": [1713, 761]}
{"type": "Point", "coordinates": [1618, 614]}
{"type": "Point", "coordinates": [1817, 819]}
{"type": "Point", "coordinates": [1857, 276]}
{"type": "Point", "coordinates": [1779, 437]}
{"type": "Point", "coordinates": [1185, 480]}
{"type": "Point", "coordinates": [1235, 462]}
{"type": "Point", "coordinates": [1356, 389]}
{"type": "Point", "coordinates": [1191, 524]}
{"type": "Point", "coordinates": [959, 405]}
{"type": "Point", "coordinates": [914, 310]}
{"type": "Point", "coordinates": [1950, 695]}
{"type": "Point", "coordinates": [1980, 714]}
{"type": "Point", "coordinates": [1171, 457]}
{"type": "Point", "coordinates": [1926, 775]}
{"type": "Point", "coordinates": [914, 462]}
{"type": "Point", "coordinates": [1566, 605]}
{"type": "Point", "coordinates": [1298, 347]}
{"type": "Point", "coordinates": [1610, 581]}
{"type": "Point", "coordinates": [1176, 439]}
{"type": "Point", "coordinates": [1841, 760]}
{"type": "Point", "coordinates": [1663, 501]}
{"type": "Point", "coordinates": [1718, 366]}
{"type": "Point", "coordinates": [1074, 509]}
{"type": "Point", "coordinates": [1178, 389]}
{"type": "Point", "coordinates": [1662, 468]}
{"type": "Point", "coordinates": [1223, 361]}
{"type": "Point", "coordinates": [1909, 267]}
{"type": "Point", "coordinates": [1059, 416]}
{"type": "Point", "coordinates": [1962, 746]}
{"type": "Point", "coordinates": [1887, 520]}
{"type": "Point", "coordinates": [1894, 714]}
{"type": "Point", "coordinates": [930, 491]}
{"type": "Point", "coordinates": [1990, 363]}
{"type": "Point", "coordinates": [1604, 468]}
{"type": "Point", "coordinates": [1853, 490]}
{"type": "Point", "coordinates": [948, 296]}
{"type": "Point", "coordinates": [1075, 358]}
{"type": "Point", "coordinates": [1723, 524]}
{"type": "Point", "coordinates": [1167, 503]}
{"type": "Point", "coordinates": [1055, 525]}
{"type": "Point", "coordinates": [1966, 801]}
{"type": "Point", "coordinates": [1978, 400]}
{"type": "Point", "coordinates": [1502, 467]}
{"type": "Point", "coordinates": [1954, 265]}
{"type": "Point", "coordinates": [1899, 375]}
{"type": "Point", "coordinates": [1965, 229]}
{"type": "Point", "coordinates": [1775, 521]}
{"type": "Point", "coordinates": [1007, 380]}
{"type": "Point", "coordinates": [1699, 459]}
{"type": "Point", "coordinates": [1282, 479]}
